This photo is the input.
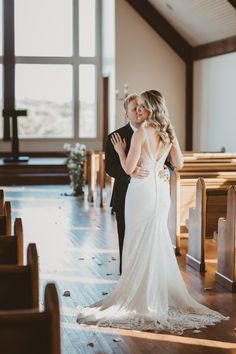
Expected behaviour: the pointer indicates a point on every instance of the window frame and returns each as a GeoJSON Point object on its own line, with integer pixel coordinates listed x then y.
{"type": "Point", "coordinates": [75, 60]}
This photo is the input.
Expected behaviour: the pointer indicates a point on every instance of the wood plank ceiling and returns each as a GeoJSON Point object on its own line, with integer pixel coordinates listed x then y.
{"type": "Point", "coordinates": [199, 21]}
{"type": "Point", "coordinates": [195, 29]}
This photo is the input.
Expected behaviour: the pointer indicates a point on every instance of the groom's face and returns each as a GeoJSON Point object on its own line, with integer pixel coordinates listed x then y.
{"type": "Point", "coordinates": [132, 114]}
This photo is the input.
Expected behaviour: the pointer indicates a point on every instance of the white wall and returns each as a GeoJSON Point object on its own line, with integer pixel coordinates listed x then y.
{"type": "Point", "coordinates": [215, 103]}
{"type": "Point", "coordinates": [145, 61]}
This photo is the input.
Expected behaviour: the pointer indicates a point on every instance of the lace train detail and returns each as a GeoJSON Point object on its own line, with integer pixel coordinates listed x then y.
{"type": "Point", "coordinates": [176, 322]}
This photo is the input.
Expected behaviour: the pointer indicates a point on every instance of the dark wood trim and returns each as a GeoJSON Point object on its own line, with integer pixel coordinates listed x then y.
{"type": "Point", "coordinates": [223, 46]}
{"type": "Point", "coordinates": [41, 154]}
{"type": "Point", "coordinates": [233, 3]}
{"type": "Point", "coordinates": [105, 110]}
{"type": "Point", "coordinates": [8, 63]}
{"type": "Point", "coordinates": [189, 106]}
{"type": "Point", "coordinates": [162, 27]}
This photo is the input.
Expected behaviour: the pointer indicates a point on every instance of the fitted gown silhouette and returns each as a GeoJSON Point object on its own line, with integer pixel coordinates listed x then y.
{"type": "Point", "coordinates": [150, 294]}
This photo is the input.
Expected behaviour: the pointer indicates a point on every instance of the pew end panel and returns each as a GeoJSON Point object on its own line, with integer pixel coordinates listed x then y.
{"type": "Point", "coordinates": [91, 174]}
{"type": "Point", "coordinates": [226, 266]}
{"type": "Point", "coordinates": [51, 303]}
{"type": "Point", "coordinates": [197, 229]}
{"type": "Point", "coordinates": [11, 247]}
{"type": "Point", "coordinates": [216, 205]}
{"type": "Point", "coordinates": [32, 261]}
{"type": "Point", "coordinates": [18, 232]}
{"type": "Point", "coordinates": [8, 250]}
{"type": "Point", "coordinates": [101, 176]}
{"type": "Point", "coordinates": [19, 284]}
{"type": "Point", "coordinates": [7, 211]}
{"type": "Point", "coordinates": [5, 220]}
{"type": "Point", "coordinates": [31, 331]}
{"type": "Point", "coordinates": [1, 202]}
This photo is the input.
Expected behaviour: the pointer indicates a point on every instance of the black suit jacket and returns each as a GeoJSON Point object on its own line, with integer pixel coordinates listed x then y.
{"type": "Point", "coordinates": [113, 168]}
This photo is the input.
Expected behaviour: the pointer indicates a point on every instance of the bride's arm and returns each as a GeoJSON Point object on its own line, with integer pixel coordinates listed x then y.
{"type": "Point", "coordinates": [129, 162]}
{"type": "Point", "coordinates": [176, 156]}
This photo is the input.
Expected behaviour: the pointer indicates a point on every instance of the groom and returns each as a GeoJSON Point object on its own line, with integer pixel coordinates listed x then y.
{"type": "Point", "coordinates": [113, 167]}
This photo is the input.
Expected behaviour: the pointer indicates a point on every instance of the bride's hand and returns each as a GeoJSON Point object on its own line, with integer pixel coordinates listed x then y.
{"type": "Point", "coordinates": [118, 143]}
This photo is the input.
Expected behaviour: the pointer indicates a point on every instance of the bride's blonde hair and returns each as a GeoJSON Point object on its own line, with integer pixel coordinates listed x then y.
{"type": "Point", "coordinates": [158, 118]}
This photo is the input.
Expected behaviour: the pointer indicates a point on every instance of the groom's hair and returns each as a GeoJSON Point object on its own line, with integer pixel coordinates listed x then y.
{"type": "Point", "coordinates": [128, 99]}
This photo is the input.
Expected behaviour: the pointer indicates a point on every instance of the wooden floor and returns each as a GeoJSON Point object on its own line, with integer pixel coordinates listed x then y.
{"type": "Point", "coordinates": [77, 247]}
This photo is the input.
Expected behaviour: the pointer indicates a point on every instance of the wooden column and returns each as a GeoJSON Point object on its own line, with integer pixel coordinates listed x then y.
{"type": "Point", "coordinates": [105, 110]}
{"type": "Point", "coordinates": [101, 177]}
{"type": "Point", "coordinates": [8, 63]}
{"type": "Point", "coordinates": [189, 106]}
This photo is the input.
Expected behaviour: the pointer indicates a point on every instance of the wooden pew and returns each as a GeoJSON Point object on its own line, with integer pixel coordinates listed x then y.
{"type": "Point", "coordinates": [5, 215]}
{"type": "Point", "coordinates": [197, 229]}
{"type": "Point", "coordinates": [101, 177]}
{"type": "Point", "coordinates": [214, 166]}
{"type": "Point", "coordinates": [209, 155]}
{"type": "Point", "coordinates": [210, 158]}
{"type": "Point", "coordinates": [226, 243]}
{"type": "Point", "coordinates": [31, 331]}
{"type": "Point", "coordinates": [95, 175]}
{"type": "Point", "coordinates": [192, 160]}
{"type": "Point", "coordinates": [183, 197]}
{"type": "Point", "coordinates": [210, 205]}
{"type": "Point", "coordinates": [91, 173]}
{"type": "Point", "coordinates": [11, 247]}
{"type": "Point", "coordinates": [19, 285]}
{"type": "Point", "coordinates": [1, 202]}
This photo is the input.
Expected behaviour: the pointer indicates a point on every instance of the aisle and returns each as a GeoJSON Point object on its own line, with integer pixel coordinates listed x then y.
{"type": "Point", "coordinates": [78, 249]}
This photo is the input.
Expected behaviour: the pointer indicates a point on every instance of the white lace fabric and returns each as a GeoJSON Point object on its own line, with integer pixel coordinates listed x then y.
{"type": "Point", "coordinates": [151, 294]}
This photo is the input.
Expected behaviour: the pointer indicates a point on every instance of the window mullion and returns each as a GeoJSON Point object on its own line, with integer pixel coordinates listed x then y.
{"type": "Point", "coordinates": [43, 60]}
{"type": "Point", "coordinates": [76, 66]}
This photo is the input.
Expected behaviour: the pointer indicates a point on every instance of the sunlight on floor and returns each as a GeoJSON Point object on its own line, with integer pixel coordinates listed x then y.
{"type": "Point", "coordinates": [152, 336]}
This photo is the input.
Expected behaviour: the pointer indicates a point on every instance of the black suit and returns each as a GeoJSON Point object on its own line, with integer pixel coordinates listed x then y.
{"type": "Point", "coordinates": [113, 168]}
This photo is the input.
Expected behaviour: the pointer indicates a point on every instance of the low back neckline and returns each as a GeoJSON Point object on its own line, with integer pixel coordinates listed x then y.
{"type": "Point", "coordinates": [150, 153]}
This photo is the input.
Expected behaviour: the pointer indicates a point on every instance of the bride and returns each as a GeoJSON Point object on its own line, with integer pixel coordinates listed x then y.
{"type": "Point", "coordinates": [150, 294]}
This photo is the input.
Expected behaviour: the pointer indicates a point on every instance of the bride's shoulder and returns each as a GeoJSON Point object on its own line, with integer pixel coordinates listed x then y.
{"type": "Point", "coordinates": [139, 134]}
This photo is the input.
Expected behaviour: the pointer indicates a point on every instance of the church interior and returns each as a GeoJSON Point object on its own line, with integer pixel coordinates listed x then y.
{"type": "Point", "coordinates": [66, 68]}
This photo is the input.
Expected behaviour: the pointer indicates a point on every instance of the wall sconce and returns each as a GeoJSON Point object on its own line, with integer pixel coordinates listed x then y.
{"type": "Point", "coordinates": [125, 93]}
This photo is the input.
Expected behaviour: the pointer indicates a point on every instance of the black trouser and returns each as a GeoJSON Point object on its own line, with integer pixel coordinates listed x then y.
{"type": "Point", "coordinates": [120, 219]}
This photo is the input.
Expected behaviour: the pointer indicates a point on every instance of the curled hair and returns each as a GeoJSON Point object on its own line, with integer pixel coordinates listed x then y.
{"type": "Point", "coordinates": [158, 118]}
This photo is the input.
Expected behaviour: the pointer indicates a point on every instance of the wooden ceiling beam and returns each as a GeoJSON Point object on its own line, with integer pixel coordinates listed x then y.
{"type": "Point", "coordinates": [163, 28]}
{"type": "Point", "coordinates": [223, 46]}
{"type": "Point", "coordinates": [233, 3]}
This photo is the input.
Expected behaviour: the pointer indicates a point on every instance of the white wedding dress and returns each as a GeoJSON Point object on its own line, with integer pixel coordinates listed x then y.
{"type": "Point", "coordinates": [150, 294]}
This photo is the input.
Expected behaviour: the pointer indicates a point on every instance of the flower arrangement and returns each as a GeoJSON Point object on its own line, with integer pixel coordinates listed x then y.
{"type": "Point", "coordinates": [75, 165]}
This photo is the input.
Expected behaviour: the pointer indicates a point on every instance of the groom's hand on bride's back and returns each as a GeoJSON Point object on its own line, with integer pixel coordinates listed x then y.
{"type": "Point", "coordinates": [140, 172]}
{"type": "Point", "coordinates": [164, 173]}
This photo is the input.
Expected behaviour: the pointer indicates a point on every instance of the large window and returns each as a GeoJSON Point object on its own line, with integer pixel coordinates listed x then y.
{"type": "Point", "coordinates": [43, 28]}
{"type": "Point", "coordinates": [87, 26]}
{"type": "Point", "coordinates": [46, 92]}
{"type": "Point", "coordinates": [56, 68]}
{"type": "Point", "coordinates": [87, 100]}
